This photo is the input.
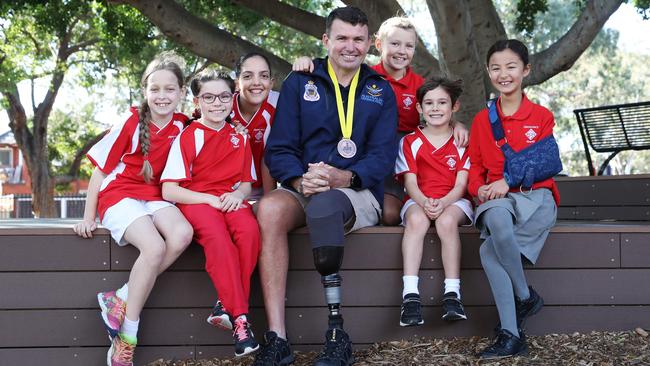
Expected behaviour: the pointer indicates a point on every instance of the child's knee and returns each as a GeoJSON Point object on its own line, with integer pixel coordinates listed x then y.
{"type": "Point", "coordinates": [417, 220]}
{"type": "Point", "coordinates": [154, 253]}
{"type": "Point", "coordinates": [446, 224]}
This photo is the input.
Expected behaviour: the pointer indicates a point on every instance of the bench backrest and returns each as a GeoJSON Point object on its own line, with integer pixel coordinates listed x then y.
{"type": "Point", "coordinates": [615, 128]}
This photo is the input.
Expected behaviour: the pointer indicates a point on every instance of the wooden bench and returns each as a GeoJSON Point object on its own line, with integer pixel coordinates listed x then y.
{"type": "Point", "coordinates": [593, 276]}
{"type": "Point", "coordinates": [613, 198]}
{"type": "Point", "coordinates": [613, 129]}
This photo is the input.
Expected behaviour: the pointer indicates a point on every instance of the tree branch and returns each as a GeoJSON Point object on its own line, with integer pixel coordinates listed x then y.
{"type": "Point", "coordinates": [296, 18]}
{"type": "Point", "coordinates": [200, 36]}
{"type": "Point", "coordinates": [76, 163]}
{"type": "Point", "coordinates": [561, 55]}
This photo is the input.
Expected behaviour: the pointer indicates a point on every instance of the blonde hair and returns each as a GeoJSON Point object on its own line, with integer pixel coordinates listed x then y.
{"type": "Point", "coordinates": [394, 22]}
{"type": "Point", "coordinates": [170, 61]}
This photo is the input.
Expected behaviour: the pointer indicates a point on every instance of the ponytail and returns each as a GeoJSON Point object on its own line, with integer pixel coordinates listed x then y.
{"type": "Point", "coordinates": [145, 117]}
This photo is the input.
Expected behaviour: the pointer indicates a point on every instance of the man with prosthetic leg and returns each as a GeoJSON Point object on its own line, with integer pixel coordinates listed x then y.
{"type": "Point", "coordinates": [332, 144]}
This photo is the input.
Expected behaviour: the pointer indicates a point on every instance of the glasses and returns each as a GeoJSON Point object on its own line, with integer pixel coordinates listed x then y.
{"type": "Point", "coordinates": [209, 98]}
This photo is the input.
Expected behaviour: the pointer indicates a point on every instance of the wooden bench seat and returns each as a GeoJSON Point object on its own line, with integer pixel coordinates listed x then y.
{"type": "Point", "coordinates": [593, 276]}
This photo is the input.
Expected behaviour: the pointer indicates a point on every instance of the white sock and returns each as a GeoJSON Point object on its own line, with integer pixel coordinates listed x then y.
{"type": "Point", "coordinates": [130, 328]}
{"type": "Point", "coordinates": [123, 292]}
{"type": "Point", "coordinates": [410, 285]}
{"type": "Point", "coordinates": [452, 285]}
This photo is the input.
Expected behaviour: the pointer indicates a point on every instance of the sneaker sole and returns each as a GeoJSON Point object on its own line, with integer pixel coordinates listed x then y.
{"type": "Point", "coordinates": [411, 324]}
{"type": "Point", "coordinates": [247, 351]}
{"type": "Point", "coordinates": [522, 352]}
{"type": "Point", "coordinates": [219, 322]}
{"type": "Point", "coordinates": [108, 355]}
{"type": "Point", "coordinates": [112, 333]}
{"type": "Point", "coordinates": [450, 317]}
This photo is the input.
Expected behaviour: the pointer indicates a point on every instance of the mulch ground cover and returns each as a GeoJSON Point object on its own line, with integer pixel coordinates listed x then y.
{"type": "Point", "coordinates": [593, 349]}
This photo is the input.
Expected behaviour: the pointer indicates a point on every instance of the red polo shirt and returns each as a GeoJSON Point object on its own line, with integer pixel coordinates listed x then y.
{"type": "Point", "coordinates": [528, 125]}
{"type": "Point", "coordinates": [404, 90]}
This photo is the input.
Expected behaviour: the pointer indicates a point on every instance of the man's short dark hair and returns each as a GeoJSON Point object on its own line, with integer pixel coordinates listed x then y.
{"type": "Point", "coordinates": [348, 14]}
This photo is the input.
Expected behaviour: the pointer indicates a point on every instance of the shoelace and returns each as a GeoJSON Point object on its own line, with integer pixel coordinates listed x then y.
{"type": "Point", "coordinates": [124, 351]}
{"type": "Point", "coordinates": [241, 329]}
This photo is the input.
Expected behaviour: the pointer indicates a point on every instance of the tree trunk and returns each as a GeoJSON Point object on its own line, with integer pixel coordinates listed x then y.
{"type": "Point", "coordinates": [42, 189]}
{"type": "Point", "coordinates": [453, 28]}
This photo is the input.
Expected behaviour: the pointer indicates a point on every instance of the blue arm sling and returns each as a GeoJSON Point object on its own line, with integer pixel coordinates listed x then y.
{"type": "Point", "coordinates": [532, 164]}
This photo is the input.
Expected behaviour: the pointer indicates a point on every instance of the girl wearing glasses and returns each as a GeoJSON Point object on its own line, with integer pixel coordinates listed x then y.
{"type": "Point", "coordinates": [209, 173]}
{"type": "Point", "coordinates": [253, 109]}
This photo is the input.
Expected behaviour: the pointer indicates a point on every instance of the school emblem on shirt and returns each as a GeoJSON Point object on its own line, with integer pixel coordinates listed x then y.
{"type": "Point", "coordinates": [311, 92]}
{"type": "Point", "coordinates": [234, 140]}
{"type": "Point", "coordinates": [259, 134]}
{"type": "Point", "coordinates": [531, 134]}
{"type": "Point", "coordinates": [407, 101]}
{"type": "Point", "coordinates": [451, 162]}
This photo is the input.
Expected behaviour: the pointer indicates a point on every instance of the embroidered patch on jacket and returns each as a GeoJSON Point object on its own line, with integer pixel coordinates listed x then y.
{"type": "Point", "coordinates": [373, 94]}
{"type": "Point", "coordinates": [311, 92]}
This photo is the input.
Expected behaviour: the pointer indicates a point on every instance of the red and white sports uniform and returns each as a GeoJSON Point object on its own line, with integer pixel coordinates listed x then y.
{"type": "Point", "coordinates": [435, 169]}
{"type": "Point", "coordinates": [404, 90]}
{"type": "Point", "coordinates": [212, 161]}
{"type": "Point", "coordinates": [528, 125]}
{"type": "Point", "coordinates": [258, 127]}
{"type": "Point", "coordinates": [119, 155]}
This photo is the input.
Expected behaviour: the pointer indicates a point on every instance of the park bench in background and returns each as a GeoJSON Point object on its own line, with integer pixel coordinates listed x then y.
{"type": "Point", "coordinates": [613, 129]}
{"type": "Point", "coordinates": [593, 275]}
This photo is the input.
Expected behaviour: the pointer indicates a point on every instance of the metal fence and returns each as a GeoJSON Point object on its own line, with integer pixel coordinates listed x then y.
{"type": "Point", "coordinates": [19, 206]}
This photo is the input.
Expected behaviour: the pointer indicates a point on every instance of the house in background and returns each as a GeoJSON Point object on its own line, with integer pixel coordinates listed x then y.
{"type": "Point", "coordinates": [14, 178]}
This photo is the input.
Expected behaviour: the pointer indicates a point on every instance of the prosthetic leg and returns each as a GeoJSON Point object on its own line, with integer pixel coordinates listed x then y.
{"type": "Point", "coordinates": [327, 260]}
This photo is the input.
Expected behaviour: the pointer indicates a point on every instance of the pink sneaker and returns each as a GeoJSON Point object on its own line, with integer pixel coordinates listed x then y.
{"type": "Point", "coordinates": [120, 353]}
{"type": "Point", "coordinates": [113, 311]}
{"type": "Point", "coordinates": [219, 317]}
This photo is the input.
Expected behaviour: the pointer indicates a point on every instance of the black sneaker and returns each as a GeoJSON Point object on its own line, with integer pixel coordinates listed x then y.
{"type": "Point", "coordinates": [219, 317]}
{"type": "Point", "coordinates": [276, 352]}
{"type": "Point", "coordinates": [411, 313]}
{"type": "Point", "coordinates": [245, 343]}
{"type": "Point", "coordinates": [528, 307]}
{"type": "Point", "coordinates": [337, 351]}
{"type": "Point", "coordinates": [506, 344]}
{"type": "Point", "coordinates": [452, 307]}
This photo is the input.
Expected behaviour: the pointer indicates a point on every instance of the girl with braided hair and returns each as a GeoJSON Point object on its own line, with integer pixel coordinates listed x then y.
{"type": "Point", "coordinates": [125, 189]}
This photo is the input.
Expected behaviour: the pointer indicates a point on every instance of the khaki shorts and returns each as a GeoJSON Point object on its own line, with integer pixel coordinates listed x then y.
{"type": "Point", "coordinates": [366, 208]}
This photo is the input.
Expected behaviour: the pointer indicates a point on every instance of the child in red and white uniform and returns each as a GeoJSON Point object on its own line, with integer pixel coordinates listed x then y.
{"type": "Point", "coordinates": [513, 223]}
{"type": "Point", "coordinates": [253, 107]}
{"type": "Point", "coordinates": [125, 188]}
{"type": "Point", "coordinates": [209, 174]}
{"type": "Point", "coordinates": [434, 170]}
{"type": "Point", "coordinates": [396, 41]}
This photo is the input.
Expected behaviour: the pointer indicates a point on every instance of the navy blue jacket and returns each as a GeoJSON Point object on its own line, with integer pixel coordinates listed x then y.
{"type": "Point", "coordinates": [306, 128]}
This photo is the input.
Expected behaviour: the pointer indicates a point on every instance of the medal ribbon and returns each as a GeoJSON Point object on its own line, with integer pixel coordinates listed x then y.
{"type": "Point", "coordinates": [345, 121]}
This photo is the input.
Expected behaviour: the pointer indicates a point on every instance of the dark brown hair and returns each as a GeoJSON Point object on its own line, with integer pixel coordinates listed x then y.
{"type": "Point", "coordinates": [453, 87]}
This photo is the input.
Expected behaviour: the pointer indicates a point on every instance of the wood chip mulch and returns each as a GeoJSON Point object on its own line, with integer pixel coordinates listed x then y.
{"type": "Point", "coordinates": [593, 349]}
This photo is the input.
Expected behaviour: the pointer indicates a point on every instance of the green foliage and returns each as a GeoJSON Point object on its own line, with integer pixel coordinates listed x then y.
{"type": "Point", "coordinates": [527, 10]}
{"type": "Point", "coordinates": [67, 134]}
{"type": "Point", "coordinates": [643, 8]}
